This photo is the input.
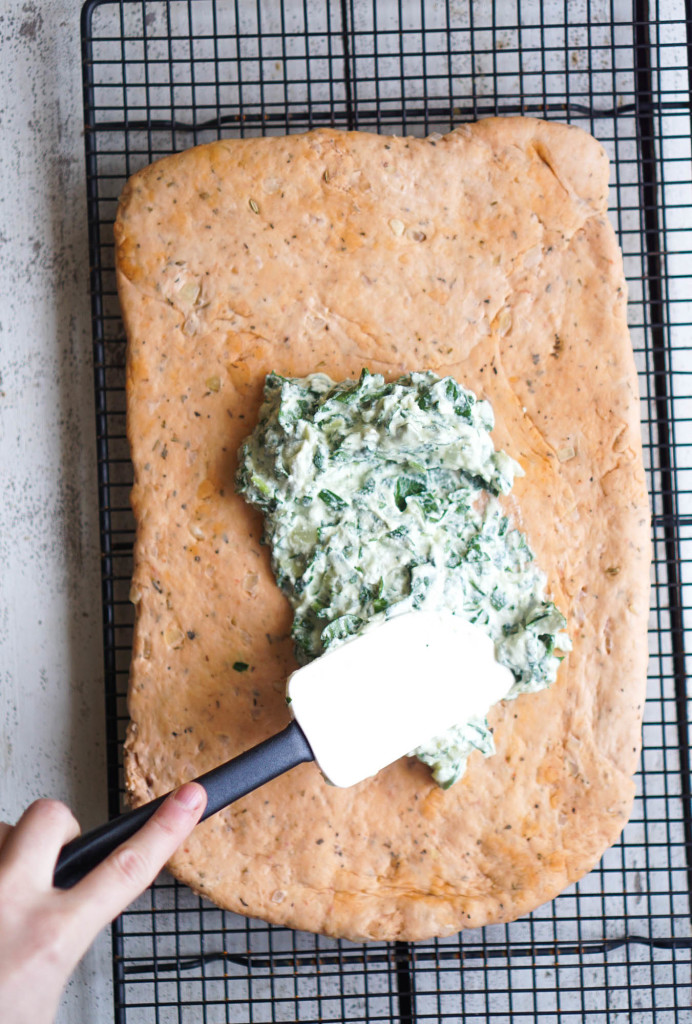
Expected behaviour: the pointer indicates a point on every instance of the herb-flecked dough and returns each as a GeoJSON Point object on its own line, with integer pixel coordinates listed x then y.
{"type": "Point", "coordinates": [485, 255]}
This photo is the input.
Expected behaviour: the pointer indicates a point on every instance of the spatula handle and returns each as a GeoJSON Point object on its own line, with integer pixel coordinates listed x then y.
{"type": "Point", "coordinates": [223, 785]}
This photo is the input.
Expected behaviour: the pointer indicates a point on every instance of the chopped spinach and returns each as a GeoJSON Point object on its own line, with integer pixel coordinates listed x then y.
{"type": "Point", "coordinates": [405, 486]}
{"type": "Point", "coordinates": [341, 628]}
{"type": "Point", "coordinates": [332, 500]}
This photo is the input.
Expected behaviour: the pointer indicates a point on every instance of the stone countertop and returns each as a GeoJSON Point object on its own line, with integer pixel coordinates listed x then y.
{"type": "Point", "coordinates": [52, 740]}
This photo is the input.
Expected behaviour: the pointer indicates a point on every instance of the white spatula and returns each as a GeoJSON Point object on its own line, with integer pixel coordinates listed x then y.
{"type": "Point", "coordinates": [355, 710]}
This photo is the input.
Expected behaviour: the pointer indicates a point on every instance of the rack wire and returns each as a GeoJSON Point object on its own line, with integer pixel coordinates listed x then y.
{"type": "Point", "coordinates": [162, 75]}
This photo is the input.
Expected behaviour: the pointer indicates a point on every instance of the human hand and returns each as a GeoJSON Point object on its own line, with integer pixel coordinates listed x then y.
{"type": "Point", "coordinates": [44, 931]}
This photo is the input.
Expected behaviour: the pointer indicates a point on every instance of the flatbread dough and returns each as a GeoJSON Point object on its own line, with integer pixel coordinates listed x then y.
{"type": "Point", "coordinates": [485, 254]}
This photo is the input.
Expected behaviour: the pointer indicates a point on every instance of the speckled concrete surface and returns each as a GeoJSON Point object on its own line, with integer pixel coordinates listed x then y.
{"type": "Point", "coordinates": [51, 688]}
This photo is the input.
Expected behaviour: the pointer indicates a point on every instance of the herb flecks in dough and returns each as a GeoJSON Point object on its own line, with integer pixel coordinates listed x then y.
{"type": "Point", "coordinates": [382, 497]}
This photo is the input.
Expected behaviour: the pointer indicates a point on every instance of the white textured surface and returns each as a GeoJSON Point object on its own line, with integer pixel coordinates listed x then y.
{"type": "Point", "coordinates": [51, 687]}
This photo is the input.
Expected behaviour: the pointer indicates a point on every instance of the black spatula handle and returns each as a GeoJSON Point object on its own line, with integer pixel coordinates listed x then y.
{"type": "Point", "coordinates": [223, 785]}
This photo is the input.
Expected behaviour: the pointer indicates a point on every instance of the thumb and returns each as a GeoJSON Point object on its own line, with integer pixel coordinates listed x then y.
{"type": "Point", "coordinates": [113, 885]}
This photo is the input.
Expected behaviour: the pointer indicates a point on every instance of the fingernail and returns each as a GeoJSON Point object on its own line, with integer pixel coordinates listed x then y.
{"type": "Point", "coordinates": [190, 796]}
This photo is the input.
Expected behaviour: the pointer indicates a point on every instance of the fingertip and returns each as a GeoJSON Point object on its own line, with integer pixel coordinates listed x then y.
{"type": "Point", "coordinates": [5, 830]}
{"type": "Point", "coordinates": [191, 796]}
{"type": "Point", "coordinates": [30, 849]}
{"type": "Point", "coordinates": [52, 813]}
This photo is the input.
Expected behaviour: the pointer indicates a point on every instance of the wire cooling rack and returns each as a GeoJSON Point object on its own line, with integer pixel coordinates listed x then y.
{"type": "Point", "coordinates": [161, 76]}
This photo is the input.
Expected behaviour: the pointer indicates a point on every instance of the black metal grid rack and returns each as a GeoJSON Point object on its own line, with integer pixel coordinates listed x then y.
{"type": "Point", "coordinates": [161, 75]}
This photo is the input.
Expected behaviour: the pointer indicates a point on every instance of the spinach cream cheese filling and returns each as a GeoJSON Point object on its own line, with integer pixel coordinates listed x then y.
{"type": "Point", "coordinates": [380, 498]}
